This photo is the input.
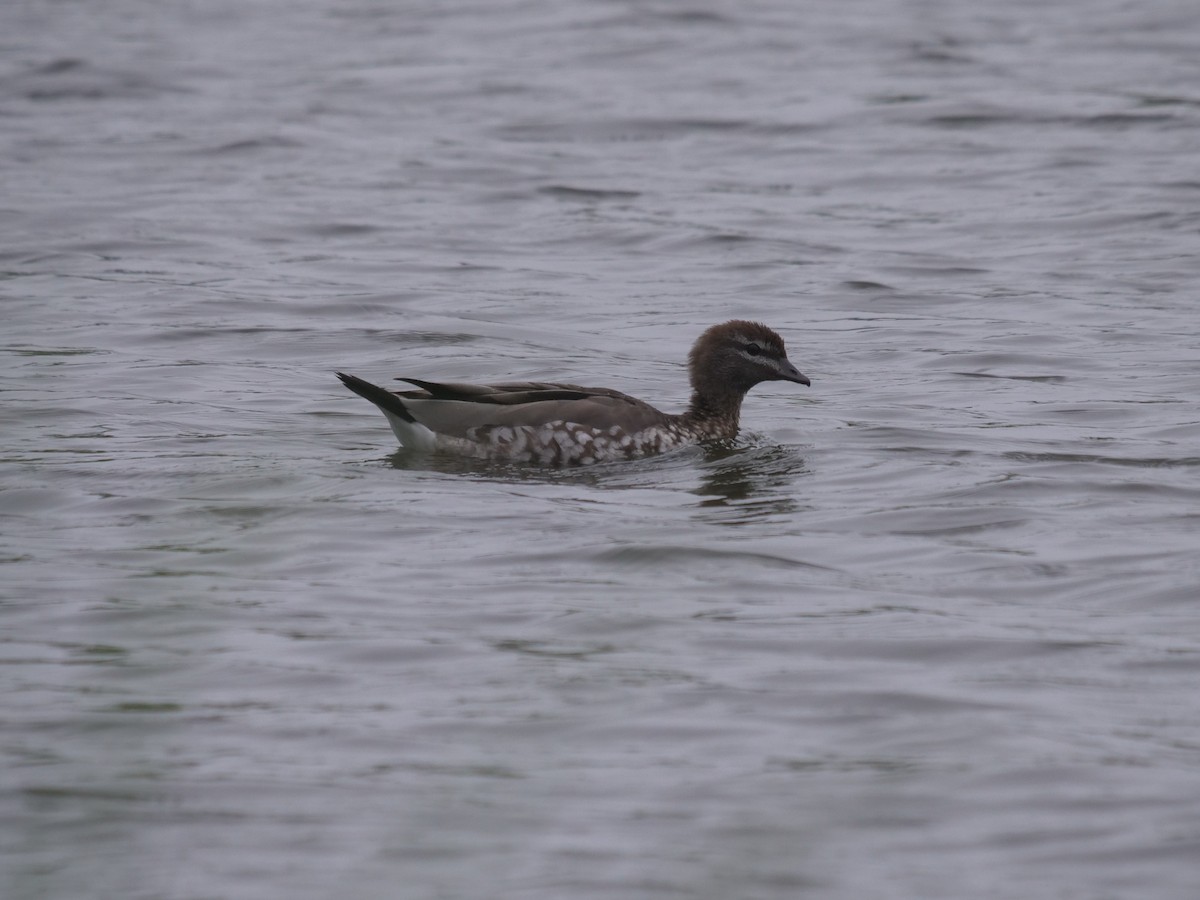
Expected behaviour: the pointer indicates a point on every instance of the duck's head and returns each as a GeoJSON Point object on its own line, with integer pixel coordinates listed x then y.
{"type": "Point", "coordinates": [735, 356]}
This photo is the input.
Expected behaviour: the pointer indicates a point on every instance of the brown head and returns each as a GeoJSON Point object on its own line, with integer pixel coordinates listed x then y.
{"type": "Point", "coordinates": [729, 359]}
{"type": "Point", "coordinates": [735, 356]}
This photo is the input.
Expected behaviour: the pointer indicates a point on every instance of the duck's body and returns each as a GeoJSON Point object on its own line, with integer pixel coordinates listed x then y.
{"type": "Point", "coordinates": [569, 425]}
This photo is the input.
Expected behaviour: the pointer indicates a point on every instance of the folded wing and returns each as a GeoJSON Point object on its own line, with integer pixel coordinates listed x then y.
{"type": "Point", "coordinates": [454, 409]}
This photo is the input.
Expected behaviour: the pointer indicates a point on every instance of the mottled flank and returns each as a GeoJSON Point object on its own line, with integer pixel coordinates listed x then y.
{"type": "Point", "coordinates": [565, 443]}
{"type": "Point", "coordinates": [568, 425]}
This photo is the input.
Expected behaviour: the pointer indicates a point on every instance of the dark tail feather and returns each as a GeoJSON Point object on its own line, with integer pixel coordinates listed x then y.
{"type": "Point", "coordinates": [385, 400]}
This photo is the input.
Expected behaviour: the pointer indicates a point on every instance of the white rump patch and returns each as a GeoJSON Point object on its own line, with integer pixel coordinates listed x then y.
{"type": "Point", "coordinates": [412, 435]}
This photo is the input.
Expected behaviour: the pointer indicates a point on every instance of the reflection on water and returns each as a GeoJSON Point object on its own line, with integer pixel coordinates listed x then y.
{"type": "Point", "coordinates": [752, 481]}
{"type": "Point", "coordinates": [745, 475]}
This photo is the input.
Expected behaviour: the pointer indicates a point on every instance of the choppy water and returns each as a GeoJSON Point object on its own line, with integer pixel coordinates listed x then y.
{"type": "Point", "coordinates": [929, 631]}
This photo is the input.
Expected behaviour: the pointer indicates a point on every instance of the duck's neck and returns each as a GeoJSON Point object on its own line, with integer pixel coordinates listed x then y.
{"type": "Point", "coordinates": [714, 415]}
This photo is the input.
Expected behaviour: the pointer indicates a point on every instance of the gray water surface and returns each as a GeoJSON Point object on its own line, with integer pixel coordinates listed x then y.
{"type": "Point", "coordinates": [928, 629]}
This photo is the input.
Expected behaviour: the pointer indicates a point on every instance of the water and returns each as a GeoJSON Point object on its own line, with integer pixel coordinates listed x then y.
{"type": "Point", "coordinates": [929, 630]}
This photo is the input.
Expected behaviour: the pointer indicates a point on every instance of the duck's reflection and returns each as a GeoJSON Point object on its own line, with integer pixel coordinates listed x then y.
{"type": "Point", "coordinates": [739, 481]}
{"type": "Point", "coordinates": [743, 484]}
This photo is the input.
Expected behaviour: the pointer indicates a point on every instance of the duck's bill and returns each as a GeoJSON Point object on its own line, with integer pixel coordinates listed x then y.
{"type": "Point", "coordinates": [788, 372]}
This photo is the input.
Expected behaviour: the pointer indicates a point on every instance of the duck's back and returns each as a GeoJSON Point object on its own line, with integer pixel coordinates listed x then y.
{"type": "Point", "coordinates": [458, 410]}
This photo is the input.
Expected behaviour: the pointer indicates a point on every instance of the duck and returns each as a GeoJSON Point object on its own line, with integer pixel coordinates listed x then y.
{"type": "Point", "coordinates": [561, 425]}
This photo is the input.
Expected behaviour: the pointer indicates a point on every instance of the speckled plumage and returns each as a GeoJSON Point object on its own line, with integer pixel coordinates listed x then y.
{"type": "Point", "coordinates": [568, 425]}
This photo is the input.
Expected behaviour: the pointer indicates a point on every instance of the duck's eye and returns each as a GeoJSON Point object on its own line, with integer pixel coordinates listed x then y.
{"type": "Point", "coordinates": [753, 349]}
